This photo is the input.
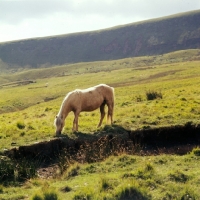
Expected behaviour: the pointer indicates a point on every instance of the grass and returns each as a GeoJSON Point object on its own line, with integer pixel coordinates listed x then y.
{"type": "Point", "coordinates": [29, 118]}
{"type": "Point", "coordinates": [27, 113]}
{"type": "Point", "coordinates": [119, 177]}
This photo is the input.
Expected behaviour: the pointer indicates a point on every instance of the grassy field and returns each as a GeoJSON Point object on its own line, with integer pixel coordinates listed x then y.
{"type": "Point", "coordinates": [27, 114]}
{"type": "Point", "coordinates": [117, 177]}
{"type": "Point", "coordinates": [28, 111]}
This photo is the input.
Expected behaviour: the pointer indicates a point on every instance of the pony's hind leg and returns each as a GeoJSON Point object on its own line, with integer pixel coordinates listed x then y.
{"type": "Point", "coordinates": [110, 113]}
{"type": "Point", "coordinates": [102, 111]}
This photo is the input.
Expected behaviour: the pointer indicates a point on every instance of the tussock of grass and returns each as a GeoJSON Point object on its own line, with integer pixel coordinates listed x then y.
{"type": "Point", "coordinates": [72, 171]}
{"type": "Point", "coordinates": [20, 125]}
{"type": "Point", "coordinates": [17, 170]}
{"type": "Point", "coordinates": [196, 151]}
{"type": "Point", "coordinates": [131, 192]}
{"type": "Point", "coordinates": [151, 95]}
{"type": "Point", "coordinates": [178, 176]}
{"type": "Point", "coordinates": [49, 194]}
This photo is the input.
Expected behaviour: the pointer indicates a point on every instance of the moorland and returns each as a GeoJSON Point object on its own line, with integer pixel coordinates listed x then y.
{"type": "Point", "coordinates": [31, 99]}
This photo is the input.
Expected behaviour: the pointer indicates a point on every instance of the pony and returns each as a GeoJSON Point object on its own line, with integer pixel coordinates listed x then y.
{"type": "Point", "coordinates": [87, 100]}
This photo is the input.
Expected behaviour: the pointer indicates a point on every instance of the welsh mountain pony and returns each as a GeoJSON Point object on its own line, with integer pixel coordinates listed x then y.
{"type": "Point", "coordinates": [86, 100]}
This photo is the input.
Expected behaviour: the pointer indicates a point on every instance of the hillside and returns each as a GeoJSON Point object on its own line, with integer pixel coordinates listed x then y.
{"type": "Point", "coordinates": [151, 37]}
{"type": "Point", "coordinates": [20, 76]}
{"type": "Point", "coordinates": [142, 128]}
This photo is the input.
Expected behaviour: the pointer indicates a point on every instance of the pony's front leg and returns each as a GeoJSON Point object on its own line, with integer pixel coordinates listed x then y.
{"type": "Point", "coordinates": [75, 122]}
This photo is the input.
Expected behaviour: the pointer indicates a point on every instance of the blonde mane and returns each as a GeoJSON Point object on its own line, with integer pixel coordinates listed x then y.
{"type": "Point", "coordinates": [86, 100]}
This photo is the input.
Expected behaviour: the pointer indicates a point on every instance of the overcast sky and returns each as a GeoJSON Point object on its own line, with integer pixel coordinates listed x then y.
{"type": "Point", "coordinates": [21, 19]}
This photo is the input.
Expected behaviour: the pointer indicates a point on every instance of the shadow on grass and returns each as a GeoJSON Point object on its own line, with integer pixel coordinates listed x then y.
{"type": "Point", "coordinates": [103, 131]}
{"type": "Point", "coordinates": [132, 193]}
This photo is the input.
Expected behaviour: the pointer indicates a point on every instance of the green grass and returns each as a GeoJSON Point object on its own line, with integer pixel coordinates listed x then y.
{"type": "Point", "coordinates": [119, 177]}
{"type": "Point", "coordinates": [27, 113]}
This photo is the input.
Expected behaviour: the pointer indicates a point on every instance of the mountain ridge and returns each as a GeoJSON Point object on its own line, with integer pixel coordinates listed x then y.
{"type": "Point", "coordinates": [150, 37]}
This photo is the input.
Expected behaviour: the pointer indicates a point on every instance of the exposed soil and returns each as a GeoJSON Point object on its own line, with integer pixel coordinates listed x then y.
{"type": "Point", "coordinates": [17, 83]}
{"type": "Point", "coordinates": [154, 140]}
{"type": "Point", "coordinates": [112, 141]}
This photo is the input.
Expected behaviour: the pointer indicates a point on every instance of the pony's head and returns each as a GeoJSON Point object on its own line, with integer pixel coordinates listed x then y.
{"type": "Point", "coordinates": [59, 123]}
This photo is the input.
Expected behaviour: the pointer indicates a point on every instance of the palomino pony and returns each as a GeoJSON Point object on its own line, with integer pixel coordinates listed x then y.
{"type": "Point", "coordinates": [86, 100]}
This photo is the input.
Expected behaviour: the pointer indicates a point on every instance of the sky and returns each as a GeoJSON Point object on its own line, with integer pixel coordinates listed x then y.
{"type": "Point", "coordinates": [22, 19]}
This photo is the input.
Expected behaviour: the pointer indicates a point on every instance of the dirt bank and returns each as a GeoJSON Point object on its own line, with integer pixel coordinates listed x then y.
{"type": "Point", "coordinates": [114, 140]}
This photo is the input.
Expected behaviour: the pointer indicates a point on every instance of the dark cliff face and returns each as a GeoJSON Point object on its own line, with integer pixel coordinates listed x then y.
{"type": "Point", "coordinates": [150, 37]}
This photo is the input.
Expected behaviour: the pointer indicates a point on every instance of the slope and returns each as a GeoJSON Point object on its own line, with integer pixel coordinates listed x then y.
{"type": "Point", "coordinates": [151, 37]}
